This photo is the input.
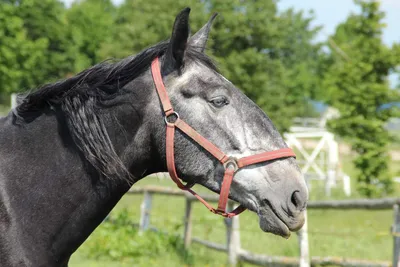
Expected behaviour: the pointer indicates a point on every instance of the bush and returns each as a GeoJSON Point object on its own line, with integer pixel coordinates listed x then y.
{"type": "Point", "coordinates": [117, 239]}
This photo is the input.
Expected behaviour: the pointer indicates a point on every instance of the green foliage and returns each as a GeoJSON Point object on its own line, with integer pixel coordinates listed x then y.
{"type": "Point", "coordinates": [356, 84]}
{"type": "Point", "coordinates": [36, 46]}
{"type": "Point", "coordinates": [142, 23]}
{"type": "Point", "coordinates": [117, 239]}
{"type": "Point", "coordinates": [18, 54]}
{"type": "Point", "coordinates": [91, 25]}
{"type": "Point", "coordinates": [268, 55]}
{"type": "Point", "coordinates": [45, 20]}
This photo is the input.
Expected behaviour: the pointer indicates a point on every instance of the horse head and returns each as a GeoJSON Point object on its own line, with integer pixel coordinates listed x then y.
{"type": "Point", "coordinates": [222, 114]}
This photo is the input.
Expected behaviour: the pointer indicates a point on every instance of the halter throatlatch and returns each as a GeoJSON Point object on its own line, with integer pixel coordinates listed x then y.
{"type": "Point", "coordinates": [231, 165]}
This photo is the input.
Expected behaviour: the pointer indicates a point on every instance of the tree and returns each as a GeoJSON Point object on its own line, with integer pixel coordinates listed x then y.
{"type": "Point", "coordinates": [256, 47]}
{"type": "Point", "coordinates": [142, 23]}
{"type": "Point", "coordinates": [269, 55]}
{"type": "Point", "coordinates": [91, 24]}
{"type": "Point", "coordinates": [357, 84]}
{"type": "Point", "coordinates": [19, 55]}
{"type": "Point", "coordinates": [302, 57]}
{"type": "Point", "coordinates": [47, 19]}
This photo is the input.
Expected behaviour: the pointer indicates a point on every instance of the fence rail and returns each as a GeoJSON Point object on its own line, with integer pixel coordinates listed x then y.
{"type": "Point", "coordinates": [374, 204]}
{"type": "Point", "coordinates": [237, 254]}
{"type": "Point", "coordinates": [277, 261]}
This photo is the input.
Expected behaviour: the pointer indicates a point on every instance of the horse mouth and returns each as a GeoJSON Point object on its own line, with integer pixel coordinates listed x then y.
{"type": "Point", "coordinates": [271, 221]}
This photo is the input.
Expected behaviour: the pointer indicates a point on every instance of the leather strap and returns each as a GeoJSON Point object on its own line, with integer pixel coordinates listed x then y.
{"type": "Point", "coordinates": [207, 145]}
{"type": "Point", "coordinates": [265, 156]}
{"type": "Point", "coordinates": [170, 136]}
{"type": "Point", "coordinates": [224, 194]}
{"type": "Point", "coordinates": [161, 91]}
{"type": "Point", "coordinates": [231, 165]}
{"type": "Point", "coordinates": [174, 176]}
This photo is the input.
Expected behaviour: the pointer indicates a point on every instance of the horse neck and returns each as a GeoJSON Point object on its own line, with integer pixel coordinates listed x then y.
{"type": "Point", "coordinates": [52, 197]}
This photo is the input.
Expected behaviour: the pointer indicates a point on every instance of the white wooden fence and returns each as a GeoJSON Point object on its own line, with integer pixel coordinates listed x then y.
{"type": "Point", "coordinates": [236, 254]}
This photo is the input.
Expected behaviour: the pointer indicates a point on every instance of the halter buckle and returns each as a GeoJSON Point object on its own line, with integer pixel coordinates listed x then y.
{"type": "Point", "coordinates": [231, 163]}
{"type": "Point", "coordinates": [171, 118]}
{"type": "Point", "coordinates": [223, 213]}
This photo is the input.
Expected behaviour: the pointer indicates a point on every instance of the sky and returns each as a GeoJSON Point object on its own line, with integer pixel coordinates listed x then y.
{"type": "Point", "coordinates": [329, 13]}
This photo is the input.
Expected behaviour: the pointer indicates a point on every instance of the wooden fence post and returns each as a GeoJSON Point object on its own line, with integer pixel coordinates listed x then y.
{"type": "Point", "coordinates": [187, 235]}
{"type": "Point", "coordinates": [233, 237]}
{"type": "Point", "coordinates": [145, 209]}
{"type": "Point", "coordinates": [303, 243]}
{"type": "Point", "coordinates": [396, 236]}
{"type": "Point", "coordinates": [13, 100]}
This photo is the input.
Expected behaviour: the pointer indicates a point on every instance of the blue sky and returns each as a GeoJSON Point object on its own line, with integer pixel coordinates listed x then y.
{"type": "Point", "coordinates": [329, 13]}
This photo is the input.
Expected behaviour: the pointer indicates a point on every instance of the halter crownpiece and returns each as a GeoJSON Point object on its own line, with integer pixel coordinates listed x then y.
{"type": "Point", "coordinates": [231, 165]}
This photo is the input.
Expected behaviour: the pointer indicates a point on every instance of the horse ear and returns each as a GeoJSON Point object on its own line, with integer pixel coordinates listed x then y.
{"type": "Point", "coordinates": [199, 40]}
{"type": "Point", "coordinates": [178, 42]}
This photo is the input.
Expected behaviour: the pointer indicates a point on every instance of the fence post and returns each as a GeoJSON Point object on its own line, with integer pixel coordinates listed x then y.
{"type": "Point", "coordinates": [346, 185]}
{"type": "Point", "coordinates": [396, 236]}
{"type": "Point", "coordinates": [13, 100]}
{"type": "Point", "coordinates": [187, 235]}
{"type": "Point", "coordinates": [145, 209]}
{"type": "Point", "coordinates": [303, 243]}
{"type": "Point", "coordinates": [233, 237]}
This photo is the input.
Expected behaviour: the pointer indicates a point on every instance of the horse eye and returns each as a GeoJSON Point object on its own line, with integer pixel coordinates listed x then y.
{"type": "Point", "coordinates": [219, 101]}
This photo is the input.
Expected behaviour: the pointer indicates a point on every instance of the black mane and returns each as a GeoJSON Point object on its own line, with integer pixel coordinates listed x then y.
{"type": "Point", "coordinates": [79, 97]}
{"type": "Point", "coordinates": [104, 78]}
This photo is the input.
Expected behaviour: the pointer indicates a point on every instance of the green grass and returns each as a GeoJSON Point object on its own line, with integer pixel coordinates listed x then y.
{"type": "Point", "coordinates": [361, 234]}
{"type": "Point", "coordinates": [351, 233]}
{"type": "Point", "coordinates": [203, 257]}
{"type": "Point", "coordinates": [80, 260]}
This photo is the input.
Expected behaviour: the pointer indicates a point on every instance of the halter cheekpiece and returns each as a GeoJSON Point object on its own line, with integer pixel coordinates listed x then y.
{"type": "Point", "coordinates": [231, 165]}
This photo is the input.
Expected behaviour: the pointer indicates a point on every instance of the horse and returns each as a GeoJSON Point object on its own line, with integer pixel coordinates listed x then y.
{"type": "Point", "coordinates": [70, 150]}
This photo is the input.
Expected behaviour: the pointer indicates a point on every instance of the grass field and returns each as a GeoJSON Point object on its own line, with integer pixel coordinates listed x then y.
{"type": "Point", "coordinates": [351, 234]}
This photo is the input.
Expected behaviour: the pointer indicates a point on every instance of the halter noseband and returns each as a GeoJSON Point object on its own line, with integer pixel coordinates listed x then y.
{"type": "Point", "coordinates": [231, 165]}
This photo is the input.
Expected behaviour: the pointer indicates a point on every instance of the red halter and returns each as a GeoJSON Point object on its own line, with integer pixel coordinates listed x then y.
{"type": "Point", "coordinates": [231, 165]}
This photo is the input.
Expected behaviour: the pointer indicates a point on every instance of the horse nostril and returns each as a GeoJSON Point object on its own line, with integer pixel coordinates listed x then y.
{"type": "Point", "coordinates": [298, 200]}
{"type": "Point", "coordinates": [294, 198]}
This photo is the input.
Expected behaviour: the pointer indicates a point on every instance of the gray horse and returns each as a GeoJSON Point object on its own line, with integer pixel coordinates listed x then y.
{"type": "Point", "coordinates": [70, 150]}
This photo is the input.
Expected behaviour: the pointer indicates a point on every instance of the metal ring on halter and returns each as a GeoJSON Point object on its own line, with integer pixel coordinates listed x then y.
{"type": "Point", "coordinates": [169, 115]}
{"type": "Point", "coordinates": [231, 162]}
